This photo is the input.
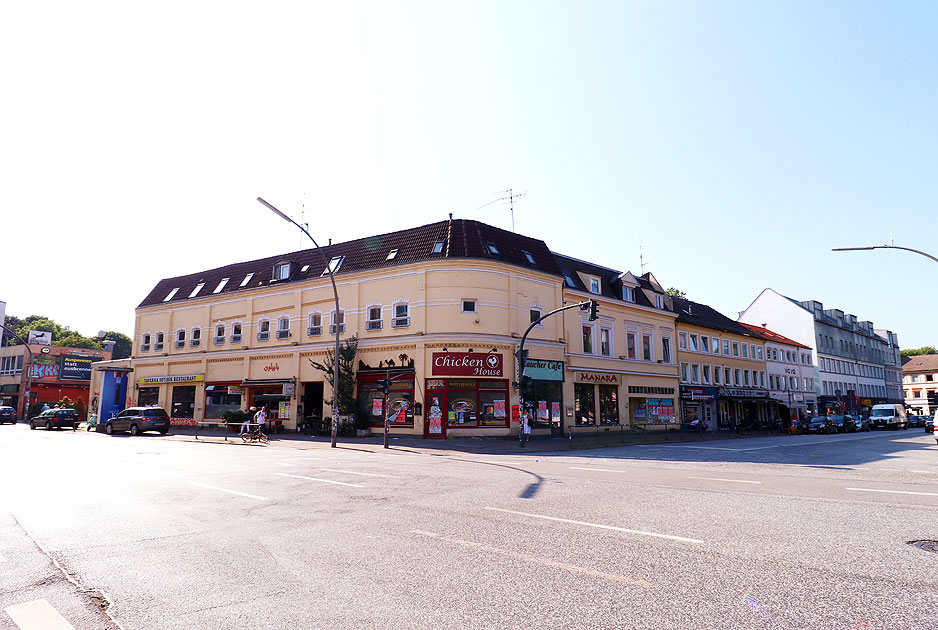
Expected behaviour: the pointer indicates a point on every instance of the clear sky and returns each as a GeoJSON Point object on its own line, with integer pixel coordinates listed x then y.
{"type": "Point", "coordinates": [732, 143]}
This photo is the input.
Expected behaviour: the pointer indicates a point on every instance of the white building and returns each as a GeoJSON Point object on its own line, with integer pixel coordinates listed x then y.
{"type": "Point", "coordinates": [791, 374]}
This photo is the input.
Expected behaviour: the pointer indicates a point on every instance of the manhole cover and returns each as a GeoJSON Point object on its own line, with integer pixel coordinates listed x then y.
{"type": "Point", "coordinates": [925, 545]}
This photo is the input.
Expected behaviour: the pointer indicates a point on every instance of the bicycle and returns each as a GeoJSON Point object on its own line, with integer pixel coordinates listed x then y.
{"type": "Point", "coordinates": [255, 435]}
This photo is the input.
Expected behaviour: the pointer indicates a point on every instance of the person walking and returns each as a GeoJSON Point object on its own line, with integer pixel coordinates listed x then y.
{"type": "Point", "coordinates": [260, 418]}
{"type": "Point", "coordinates": [45, 407]}
{"type": "Point", "coordinates": [246, 425]}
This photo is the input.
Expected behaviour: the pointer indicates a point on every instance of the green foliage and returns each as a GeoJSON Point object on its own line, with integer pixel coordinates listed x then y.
{"type": "Point", "coordinates": [914, 352]}
{"type": "Point", "coordinates": [675, 292]}
{"type": "Point", "coordinates": [362, 412]}
{"type": "Point", "coordinates": [63, 336]}
{"type": "Point", "coordinates": [346, 391]}
{"type": "Point", "coordinates": [237, 416]}
{"type": "Point", "coordinates": [124, 345]}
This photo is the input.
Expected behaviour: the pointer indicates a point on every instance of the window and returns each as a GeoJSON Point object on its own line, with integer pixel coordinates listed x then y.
{"type": "Point", "coordinates": [659, 302]}
{"type": "Point", "coordinates": [735, 348]}
{"type": "Point", "coordinates": [694, 373]}
{"type": "Point", "coordinates": [746, 378]}
{"type": "Point", "coordinates": [726, 347]}
{"type": "Point", "coordinates": [283, 327]}
{"type": "Point", "coordinates": [401, 315]}
{"type": "Point", "coordinates": [220, 335]}
{"type": "Point", "coordinates": [717, 375]}
{"type": "Point", "coordinates": [752, 351]}
{"type": "Point", "coordinates": [180, 339]}
{"type": "Point", "coordinates": [587, 339]}
{"type": "Point", "coordinates": [281, 271]}
{"type": "Point", "coordinates": [171, 295]}
{"type": "Point", "coordinates": [374, 321]}
{"type": "Point", "coordinates": [493, 249]}
{"type": "Point", "coordinates": [437, 248]}
{"type": "Point", "coordinates": [715, 344]}
{"type": "Point", "coordinates": [145, 344]}
{"type": "Point", "coordinates": [632, 343]}
{"type": "Point", "coordinates": [468, 306]}
{"type": "Point", "coordinates": [745, 350]}
{"type": "Point", "coordinates": [196, 290]}
{"type": "Point", "coordinates": [736, 376]}
{"type": "Point", "coordinates": [692, 343]}
{"type": "Point", "coordinates": [759, 348]}
{"type": "Point", "coordinates": [705, 344]}
{"type": "Point", "coordinates": [726, 376]}
{"type": "Point", "coordinates": [535, 315]}
{"type": "Point", "coordinates": [247, 279]}
{"type": "Point", "coordinates": [705, 374]}
{"type": "Point", "coordinates": [333, 267]}
{"type": "Point", "coordinates": [684, 374]}
{"type": "Point", "coordinates": [221, 285]}
{"type": "Point", "coordinates": [263, 330]}
{"type": "Point", "coordinates": [159, 342]}
{"type": "Point", "coordinates": [594, 285]}
{"type": "Point", "coordinates": [762, 380]}
{"type": "Point", "coordinates": [236, 333]}
{"type": "Point", "coordinates": [196, 338]}
{"type": "Point", "coordinates": [605, 342]}
{"type": "Point", "coordinates": [666, 349]}
{"type": "Point", "coordinates": [646, 347]}
{"type": "Point", "coordinates": [337, 320]}
{"type": "Point", "coordinates": [628, 294]}
{"type": "Point", "coordinates": [775, 354]}
{"type": "Point", "coordinates": [392, 254]}
{"type": "Point", "coordinates": [528, 257]}
{"type": "Point", "coordinates": [682, 341]}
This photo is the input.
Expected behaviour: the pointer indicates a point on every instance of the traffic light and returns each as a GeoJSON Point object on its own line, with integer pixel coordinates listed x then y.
{"type": "Point", "coordinates": [385, 386]}
{"type": "Point", "coordinates": [594, 310]}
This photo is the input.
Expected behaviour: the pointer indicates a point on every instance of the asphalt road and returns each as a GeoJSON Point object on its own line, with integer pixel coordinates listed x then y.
{"type": "Point", "coordinates": [770, 532]}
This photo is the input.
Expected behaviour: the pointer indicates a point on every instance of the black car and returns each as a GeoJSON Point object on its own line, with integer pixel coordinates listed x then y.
{"type": "Point", "coordinates": [139, 419]}
{"type": "Point", "coordinates": [7, 414]}
{"type": "Point", "coordinates": [821, 424]}
{"type": "Point", "coordinates": [861, 423]}
{"type": "Point", "coordinates": [841, 423]}
{"type": "Point", "coordinates": [916, 421]}
{"type": "Point", "coordinates": [56, 419]}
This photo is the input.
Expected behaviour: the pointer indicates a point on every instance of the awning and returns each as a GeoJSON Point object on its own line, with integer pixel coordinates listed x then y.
{"type": "Point", "coordinates": [272, 381]}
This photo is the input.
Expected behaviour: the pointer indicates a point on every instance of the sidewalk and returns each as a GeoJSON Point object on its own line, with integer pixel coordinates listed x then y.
{"type": "Point", "coordinates": [484, 446]}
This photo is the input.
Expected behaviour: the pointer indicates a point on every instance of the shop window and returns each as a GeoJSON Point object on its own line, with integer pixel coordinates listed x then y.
{"type": "Point", "coordinates": [546, 403]}
{"type": "Point", "coordinates": [283, 328]}
{"type": "Point", "coordinates": [263, 330]}
{"type": "Point", "coordinates": [584, 404]}
{"type": "Point", "coordinates": [374, 321]}
{"type": "Point", "coordinates": [401, 317]}
{"type": "Point", "coordinates": [338, 319]}
{"type": "Point", "coordinates": [145, 344]}
{"type": "Point", "coordinates": [181, 339]}
{"type": "Point", "coordinates": [196, 338]}
{"type": "Point", "coordinates": [400, 400]}
{"type": "Point", "coordinates": [219, 335]}
{"type": "Point", "coordinates": [159, 342]}
{"type": "Point", "coordinates": [587, 339]}
{"type": "Point", "coordinates": [476, 403]}
{"type": "Point", "coordinates": [218, 401]}
{"type": "Point", "coordinates": [183, 401]}
{"type": "Point", "coordinates": [148, 397]}
{"type": "Point", "coordinates": [666, 349]}
{"type": "Point", "coordinates": [609, 404]}
{"type": "Point", "coordinates": [315, 325]}
{"type": "Point", "coordinates": [236, 333]}
{"type": "Point", "coordinates": [605, 342]}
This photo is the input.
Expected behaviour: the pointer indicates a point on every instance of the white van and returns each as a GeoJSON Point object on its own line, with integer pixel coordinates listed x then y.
{"type": "Point", "coordinates": [889, 417]}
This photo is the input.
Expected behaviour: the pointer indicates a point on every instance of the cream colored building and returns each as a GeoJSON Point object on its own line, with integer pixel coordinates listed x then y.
{"type": "Point", "coordinates": [920, 384]}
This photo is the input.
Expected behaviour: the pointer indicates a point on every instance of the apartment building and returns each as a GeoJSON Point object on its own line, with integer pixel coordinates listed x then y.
{"type": "Point", "coordinates": [790, 375]}
{"type": "Point", "coordinates": [920, 384]}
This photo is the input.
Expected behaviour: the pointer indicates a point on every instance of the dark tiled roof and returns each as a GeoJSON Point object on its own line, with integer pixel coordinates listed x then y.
{"type": "Point", "coordinates": [462, 239]}
{"type": "Point", "coordinates": [610, 285]}
{"type": "Point", "coordinates": [920, 363]}
{"type": "Point", "coordinates": [770, 335]}
{"type": "Point", "coordinates": [697, 314]}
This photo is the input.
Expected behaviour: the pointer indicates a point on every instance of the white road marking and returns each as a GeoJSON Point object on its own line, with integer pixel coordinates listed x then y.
{"type": "Point", "coordinates": [600, 469]}
{"type": "Point", "coordinates": [729, 480]}
{"type": "Point", "coordinates": [38, 615]}
{"type": "Point", "coordinates": [243, 494]}
{"type": "Point", "coordinates": [926, 472]}
{"type": "Point", "coordinates": [2, 559]}
{"type": "Point", "coordinates": [924, 494]}
{"type": "Point", "coordinates": [338, 483]}
{"type": "Point", "coordinates": [599, 526]}
{"type": "Point", "coordinates": [537, 560]}
{"type": "Point", "coordinates": [352, 472]}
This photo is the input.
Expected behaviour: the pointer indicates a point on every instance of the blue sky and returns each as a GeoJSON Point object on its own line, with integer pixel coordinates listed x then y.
{"type": "Point", "coordinates": [732, 143]}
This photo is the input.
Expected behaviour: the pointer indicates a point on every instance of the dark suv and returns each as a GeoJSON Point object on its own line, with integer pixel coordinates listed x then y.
{"type": "Point", "coordinates": [139, 419]}
{"type": "Point", "coordinates": [7, 414]}
{"type": "Point", "coordinates": [56, 419]}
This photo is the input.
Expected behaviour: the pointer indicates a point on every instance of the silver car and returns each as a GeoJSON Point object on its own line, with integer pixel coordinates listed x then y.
{"type": "Point", "coordinates": [139, 419]}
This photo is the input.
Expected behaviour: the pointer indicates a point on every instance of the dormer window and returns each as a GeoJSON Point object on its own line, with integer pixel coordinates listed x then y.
{"type": "Point", "coordinates": [492, 248]}
{"type": "Point", "coordinates": [196, 290]}
{"type": "Point", "coordinates": [334, 265]}
{"type": "Point", "coordinates": [594, 285]}
{"type": "Point", "coordinates": [659, 301]}
{"type": "Point", "coordinates": [437, 247]}
{"type": "Point", "coordinates": [628, 294]}
{"type": "Point", "coordinates": [528, 257]}
{"type": "Point", "coordinates": [282, 271]}
{"type": "Point", "coordinates": [171, 295]}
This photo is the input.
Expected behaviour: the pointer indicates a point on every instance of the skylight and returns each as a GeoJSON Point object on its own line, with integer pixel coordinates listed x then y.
{"type": "Point", "coordinates": [437, 248]}
{"type": "Point", "coordinates": [391, 254]}
{"type": "Point", "coordinates": [171, 295]}
{"type": "Point", "coordinates": [492, 248]}
{"type": "Point", "coordinates": [247, 279]}
{"type": "Point", "coordinates": [304, 269]}
{"type": "Point", "coordinates": [334, 265]}
{"type": "Point", "coordinates": [529, 257]}
{"type": "Point", "coordinates": [570, 282]}
{"type": "Point", "coordinates": [196, 290]}
{"type": "Point", "coordinates": [221, 285]}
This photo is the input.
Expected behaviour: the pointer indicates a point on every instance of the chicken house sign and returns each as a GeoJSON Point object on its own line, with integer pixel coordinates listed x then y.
{"type": "Point", "coordinates": [467, 364]}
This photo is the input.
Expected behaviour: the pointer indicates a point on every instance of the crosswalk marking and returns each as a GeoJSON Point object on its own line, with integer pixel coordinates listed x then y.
{"type": "Point", "coordinates": [37, 615]}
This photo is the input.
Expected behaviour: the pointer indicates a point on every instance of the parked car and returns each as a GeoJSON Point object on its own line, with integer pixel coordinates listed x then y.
{"type": "Point", "coordinates": [861, 423]}
{"type": "Point", "coordinates": [139, 419]}
{"type": "Point", "coordinates": [889, 416]}
{"type": "Point", "coordinates": [56, 419]}
{"type": "Point", "coordinates": [929, 427]}
{"type": "Point", "coordinates": [820, 424]}
{"type": "Point", "coordinates": [7, 414]}
{"type": "Point", "coordinates": [841, 424]}
{"type": "Point", "coordinates": [917, 421]}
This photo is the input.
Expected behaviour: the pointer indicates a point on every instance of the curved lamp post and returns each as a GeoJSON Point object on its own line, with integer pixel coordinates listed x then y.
{"type": "Point", "coordinates": [335, 291]}
{"type": "Point", "coordinates": [908, 249]}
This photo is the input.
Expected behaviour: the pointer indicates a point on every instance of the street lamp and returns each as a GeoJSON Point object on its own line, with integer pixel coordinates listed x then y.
{"type": "Point", "coordinates": [908, 249]}
{"type": "Point", "coordinates": [335, 291]}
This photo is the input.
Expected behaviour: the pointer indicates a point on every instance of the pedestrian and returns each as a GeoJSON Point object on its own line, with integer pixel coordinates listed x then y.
{"type": "Point", "coordinates": [525, 426]}
{"type": "Point", "coordinates": [261, 419]}
{"type": "Point", "coordinates": [246, 425]}
{"type": "Point", "coordinates": [45, 407]}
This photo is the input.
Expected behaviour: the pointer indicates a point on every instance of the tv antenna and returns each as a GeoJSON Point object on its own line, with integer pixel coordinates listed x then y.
{"type": "Point", "coordinates": [641, 259]}
{"type": "Point", "coordinates": [303, 220]}
{"type": "Point", "coordinates": [507, 199]}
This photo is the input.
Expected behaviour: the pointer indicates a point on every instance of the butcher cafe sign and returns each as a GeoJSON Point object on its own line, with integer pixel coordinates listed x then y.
{"type": "Point", "coordinates": [467, 364]}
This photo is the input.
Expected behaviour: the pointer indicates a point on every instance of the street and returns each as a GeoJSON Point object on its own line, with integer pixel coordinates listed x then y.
{"type": "Point", "coordinates": [170, 532]}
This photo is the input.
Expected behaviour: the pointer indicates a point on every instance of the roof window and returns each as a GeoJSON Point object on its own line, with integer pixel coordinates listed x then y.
{"type": "Point", "coordinates": [492, 248]}
{"type": "Point", "coordinates": [334, 265]}
{"type": "Point", "coordinates": [304, 269]}
{"type": "Point", "coordinates": [196, 290]}
{"type": "Point", "coordinates": [438, 247]}
{"type": "Point", "coordinates": [529, 257]}
{"type": "Point", "coordinates": [221, 285]}
{"type": "Point", "coordinates": [247, 279]}
{"type": "Point", "coordinates": [391, 254]}
{"type": "Point", "coordinates": [171, 295]}
{"type": "Point", "coordinates": [569, 281]}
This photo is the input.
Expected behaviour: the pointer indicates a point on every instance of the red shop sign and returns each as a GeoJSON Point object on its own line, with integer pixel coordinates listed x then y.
{"type": "Point", "coordinates": [466, 364]}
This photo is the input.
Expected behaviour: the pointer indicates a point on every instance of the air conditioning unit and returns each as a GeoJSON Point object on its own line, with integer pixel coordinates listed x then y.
{"type": "Point", "coordinates": [283, 334]}
{"type": "Point", "coordinates": [400, 322]}
{"type": "Point", "coordinates": [374, 324]}
{"type": "Point", "coordinates": [263, 336]}
{"type": "Point", "coordinates": [235, 338]}
{"type": "Point", "coordinates": [332, 328]}
{"type": "Point", "coordinates": [313, 331]}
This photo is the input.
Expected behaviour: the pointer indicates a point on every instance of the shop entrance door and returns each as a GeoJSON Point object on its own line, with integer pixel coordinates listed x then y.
{"type": "Point", "coordinates": [434, 425]}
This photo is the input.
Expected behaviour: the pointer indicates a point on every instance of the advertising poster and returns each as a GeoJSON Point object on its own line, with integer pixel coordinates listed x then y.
{"type": "Point", "coordinates": [555, 410]}
{"type": "Point", "coordinates": [435, 416]}
{"type": "Point", "coordinates": [542, 410]}
{"type": "Point", "coordinates": [76, 367]}
{"type": "Point", "coordinates": [397, 410]}
{"type": "Point", "coordinates": [377, 407]}
{"type": "Point", "coordinates": [499, 411]}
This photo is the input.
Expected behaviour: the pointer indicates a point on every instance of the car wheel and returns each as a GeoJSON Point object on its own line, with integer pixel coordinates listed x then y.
{"type": "Point", "coordinates": [109, 429]}
{"type": "Point", "coordinates": [32, 425]}
{"type": "Point", "coordinates": [134, 430]}
{"type": "Point", "coordinates": [164, 431]}
{"type": "Point", "coordinates": [48, 425]}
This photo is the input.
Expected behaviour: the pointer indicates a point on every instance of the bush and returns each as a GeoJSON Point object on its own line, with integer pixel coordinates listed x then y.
{"type": "Point", "coordinates": [237, 417]}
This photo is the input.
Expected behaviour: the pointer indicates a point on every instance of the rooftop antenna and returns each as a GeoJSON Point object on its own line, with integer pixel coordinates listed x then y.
{"type": "Point", "coordinates": [303, 219]}
{"type": "Point", "coordinates": [507, 198]}
{"type": "Point", "coordinates": [641, 259]}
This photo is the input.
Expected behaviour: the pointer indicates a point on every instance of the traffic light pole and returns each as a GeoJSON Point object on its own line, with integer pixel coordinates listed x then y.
{"type": "Point", "coordinates": [587, 305]}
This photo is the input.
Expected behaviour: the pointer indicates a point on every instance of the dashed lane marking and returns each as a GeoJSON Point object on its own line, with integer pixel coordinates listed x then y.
{"type": "Point", "coordinates": [239, 493]}
{"type": "Point", "coordinates": [599, 526]}
{"type": "Point", "coordinates": [922, 494]}
{"type": "Point", "coordinates": [727, 480]}
{"type": "Point", "coordinates": [37, 615]}
{"type": "Point", "coordinates": [338, 483]}
{"type": "Point", "coordinates": [536, 559]}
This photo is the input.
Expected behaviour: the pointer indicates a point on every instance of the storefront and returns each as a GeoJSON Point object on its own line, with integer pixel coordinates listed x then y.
{"type": "Point", "coordinates": [543, 393]}
{"type": "Point", "coordinates": [181, 395]}
{"type": "Point", "coordinates": [742, 407]}
{"type": "Point", "coordinates": [596, 398]}
{"type": "Point", "coordinates": [698, 406]}
{"type": "Point", "coordinates": [275, 394]}
{"type": "Point", "coordinates": [221, 397]}
{"type": "Point", "coordinates": [467, 394]}
{"type": "Point", "coordinates": [651, 405]}
{"type": "Point", "coordinates": [398, 405]}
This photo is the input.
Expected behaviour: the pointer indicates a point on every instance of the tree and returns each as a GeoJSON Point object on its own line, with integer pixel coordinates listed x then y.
{"type": "Point", "coordinates": [63, 336]}
{"type": "Point", "coordinates": [914, 352]}
{"type": "Point", "coordinates": [675, 292]}
{"type": "Point", "coordinates": [346, 391]}
{"type": "Point", "coordinates": [124, 346]}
